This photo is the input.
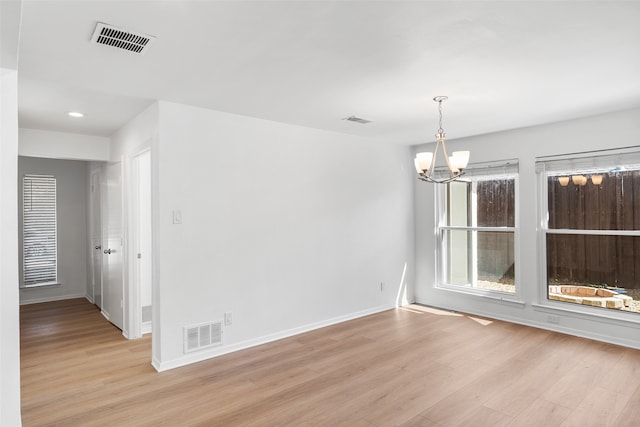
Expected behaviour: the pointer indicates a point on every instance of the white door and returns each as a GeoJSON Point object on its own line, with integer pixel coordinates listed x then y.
{"type": "Point", "coordinates": [112, 285]}
{"type": "Point", "coordinates": [95, 238]}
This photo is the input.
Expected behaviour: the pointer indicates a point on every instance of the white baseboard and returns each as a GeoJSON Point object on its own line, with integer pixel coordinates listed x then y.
{"type": "Point", "coordinates": [155, 363]}
{"type": "Point", "coordinates": [89, 299]}
{"type": "Point", "coordinates": [546, 326]}
{"type": "Point", "coordinates": [219, 351]}
{"type": "Point", "coordinates": [50, 299]}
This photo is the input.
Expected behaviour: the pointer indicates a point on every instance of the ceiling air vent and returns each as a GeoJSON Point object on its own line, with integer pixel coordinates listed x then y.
{"type": "Point", "coordinates": [116, 37]}
{"type": "Point", "coordinates": [357, 120]}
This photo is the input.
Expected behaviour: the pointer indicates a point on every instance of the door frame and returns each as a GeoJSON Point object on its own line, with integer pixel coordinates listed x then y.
{"type": "Point", "coordinates": [134, 307]}
{"type": "Point", "coordinates": [95, 223]}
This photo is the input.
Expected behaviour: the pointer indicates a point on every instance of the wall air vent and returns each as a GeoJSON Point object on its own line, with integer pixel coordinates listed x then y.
{"type": "Point", "coordinates": [204, 335]}
{"type": "Point", "coordinates": [116, 37]}
{"type": "Point", "coordinates": [357, 120]}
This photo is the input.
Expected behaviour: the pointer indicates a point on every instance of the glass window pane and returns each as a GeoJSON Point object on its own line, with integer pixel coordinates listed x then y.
{"type": "Point", "coordinates": [458, 205]}
{"type": "Point", "coordinates": [480, 259]}
{"type": "Point", "coordinates": [600, 201]}
{"type": "Point", "coordinates": [496, 262]}
{"type": "Point", "coordinates": [496, 202]}
{"type": "Point", "coordinates": [458, 257]}
{"type": "Point", "coordinates": [579, 265]}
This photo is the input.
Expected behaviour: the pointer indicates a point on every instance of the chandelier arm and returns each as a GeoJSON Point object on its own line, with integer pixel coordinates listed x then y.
{"type": "Point", "coordinates": [426, 178]}
{"type": "Point", "coordinates": [433, 160]}
{"type": "Point", "coordinates": [446, 157]}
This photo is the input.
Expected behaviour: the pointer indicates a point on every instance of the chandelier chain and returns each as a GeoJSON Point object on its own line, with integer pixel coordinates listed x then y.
{"type": "Point", "coordinates": [440, 130]}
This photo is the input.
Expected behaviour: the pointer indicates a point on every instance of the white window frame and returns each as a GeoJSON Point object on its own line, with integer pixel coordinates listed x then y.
{"type": "Point", "coordinates": [584, 163]}
{"type": "Point", "coordinates": [28, 227]}
{"type": "Point", "coordinates": [496, 170]}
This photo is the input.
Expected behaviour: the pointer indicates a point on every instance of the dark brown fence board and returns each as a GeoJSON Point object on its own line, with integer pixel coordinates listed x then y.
{"type": "Point", "coordinates": [496, 208]}
{"type": "Point", "coordinates": [613, 205]}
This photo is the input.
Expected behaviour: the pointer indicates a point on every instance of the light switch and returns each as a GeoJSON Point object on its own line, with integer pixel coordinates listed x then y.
{"type": "Point", "coordinates": [177, 217]}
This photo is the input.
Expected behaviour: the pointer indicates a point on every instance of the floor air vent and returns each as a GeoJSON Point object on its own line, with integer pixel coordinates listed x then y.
{"type": "Point", "coordinates": [121, 39]}
{"type": "Point", "coordinates": [198, 337]}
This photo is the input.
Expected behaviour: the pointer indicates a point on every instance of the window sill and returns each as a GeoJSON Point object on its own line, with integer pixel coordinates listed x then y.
{"type": "Point", "coordinates": [40, 285]}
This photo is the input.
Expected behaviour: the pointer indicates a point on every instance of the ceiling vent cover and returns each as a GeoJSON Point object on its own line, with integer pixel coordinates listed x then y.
{"type": "Point", "coordinates": [357, 120]}
{"type": "Point", "coordinates": [116, 37]}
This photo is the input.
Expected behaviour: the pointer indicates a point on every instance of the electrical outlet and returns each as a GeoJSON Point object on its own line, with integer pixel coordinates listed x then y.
{"type": "Point", "coordinates": [553, 319]}
{"type": "Point", "coordinates": [228, 318]}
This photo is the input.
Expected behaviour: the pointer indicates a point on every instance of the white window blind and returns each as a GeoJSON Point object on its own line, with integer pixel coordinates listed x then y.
{"type": "Point", "coordinates": [491, 170]}
{"type": "Point", "coordinates": [40, 248]}
{"type": "Point", "coordinates": [602, 161]}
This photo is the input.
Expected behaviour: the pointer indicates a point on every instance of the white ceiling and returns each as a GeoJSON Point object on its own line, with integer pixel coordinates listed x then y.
{"type": "Point", "coordinates": [503, 64]}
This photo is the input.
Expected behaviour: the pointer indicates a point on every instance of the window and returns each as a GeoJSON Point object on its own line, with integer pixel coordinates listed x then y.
{"type": "Point", "coordinates": [476, 229]}
{"type": "Point", "coordinates": [39, 236]}
{"type": "Point", "coordinates": [591, 229]}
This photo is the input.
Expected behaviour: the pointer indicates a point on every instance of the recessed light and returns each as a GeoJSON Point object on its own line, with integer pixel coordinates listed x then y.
{"type": "Point", "coordinates": [75, 114]}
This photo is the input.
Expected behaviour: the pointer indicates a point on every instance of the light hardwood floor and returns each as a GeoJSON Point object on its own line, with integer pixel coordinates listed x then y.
{"type": "Point", "coordinates": [413, 367]}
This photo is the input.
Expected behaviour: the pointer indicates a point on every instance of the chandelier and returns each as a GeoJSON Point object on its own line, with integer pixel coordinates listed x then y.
{"type": "Point", "coordinates": [425, 162]}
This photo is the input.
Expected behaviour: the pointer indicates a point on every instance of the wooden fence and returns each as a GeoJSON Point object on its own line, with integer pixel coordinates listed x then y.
{"type": "Point", "coordinates": [612, 205]}
{"type": "Point", "coordinates": [496, 208]}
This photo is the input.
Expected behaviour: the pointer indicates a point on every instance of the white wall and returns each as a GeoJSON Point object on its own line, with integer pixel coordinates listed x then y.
{"type": "Point", "coordinates": [593, 133]}
{"type": "Point", "coordinates": [9, 315]}
{"type": "Point", "coordinates": [61, 145]}
{"type": "Point", "coordinates": [71, 189]}
{"type": "Point", "coordinates": [135, 136]}
{"type": "Point", "coordinates": [288, 228]}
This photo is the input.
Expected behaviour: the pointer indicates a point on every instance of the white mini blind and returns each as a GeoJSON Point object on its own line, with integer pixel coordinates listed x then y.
{"type": "Point", "coordinates": [603, 161]}
{"type": "Point", "coordinates": [40, 247]}
{"type": "Point", "coordinates": [493, 170]}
